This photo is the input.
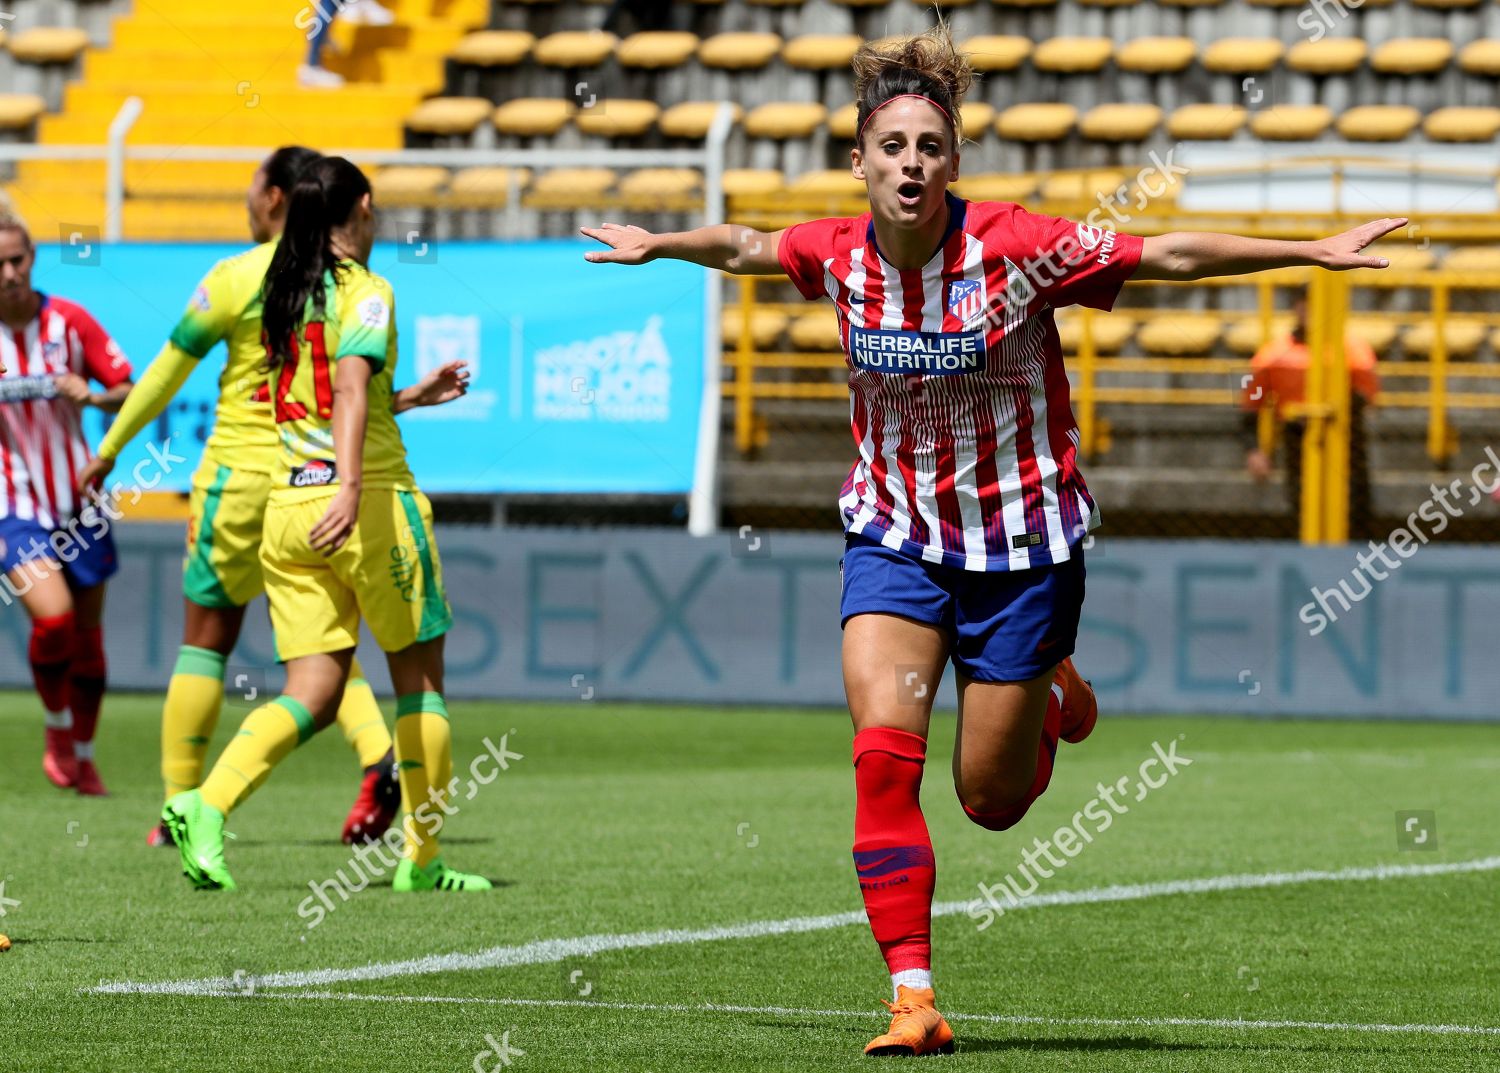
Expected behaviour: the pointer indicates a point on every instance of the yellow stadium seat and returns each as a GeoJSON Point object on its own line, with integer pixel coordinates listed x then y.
{"type": "Point", "coordinates": [1473, 259]}
{"type": "Point", "coordinates": [449, 115]}
{"type": "Point", "coordinates": [1463, 337]}
{"type": "Point", "coordinates": [573, 49]}
{"type": "Point", "coordinates": [656, 49]}
{"type": "Point", "coordinates": [976, 118]}
{"type": "Point", "coordinates": [19, 110]}
{"type": "Point", "coordinates": [997, 52]}
{"type": "Point", "coordinates": [1378, 123]}
{"type": "Point", "coordinates": [1024, 3]}
{"type": "Point", "coordinates": [661, 182]}
{"type": "Point", "coordinates": [1120, 122]}
{"type": "Point", "coordinates": [1206, 122]}
{"type": "Point", "coordinates": [1243, 336]}
{"type": "Point", "coordinates": [821, 52]}
{"type": "Point", "coordinates": [533, 117]}
{"type": "Point", "coordinates": [1080, 186]}
{"type": "Point", "coordinates": [691, 119]}
{"type": "Point", "coordinates": [1111, 332]}
{"type": "Point", "coordinates": [1462, 124]}
{"type": "Point", "coordinates": [753, 182]}
{"type": "Point", "coordinates": [613, 118]}
{"type": "Point", "coordinates": [1179, 334]}
{"type": "Point", "coordinates": [831, 182]}
{"type": "Point", "coordinates": [1108, 3]}
{"type": "Point", "coordinates": [1447, 5]}
{"type": "Point", "coordinates": [843, 122]}
{"type": "Point", "coordinates": [1189, 3]}
{"type": "Point", "coordinates": [815, 331]}
{"type": "Point", "coordinates": [766, 326]}
{"type": "Point", "coordinates": [1243, 55]}
{"type": "Point", "coordinates": [1156, 55]}
{"type": "Point", "coordinates": [1378, 332]}
{"type": "Point", "coordinates": [566, 187]}
{"type": "Point", "coordinates": [1036, 122]}
{"type": "Point", "coordinates": [1481, 57]}
{"type": "Point", "coordinates": [1330, 56]}
{"type": "Point", "coordinates": [407, 184]}
{"type": "Point", "coordinates": [785, 119]}
{"type": "Point", "coordinates": [1072, 55]}
{"type": "Point", "coordinates": [996, 187]}
{"type": "Point", "coordinates": [493, 48]}
{"type": "Point", "coordinates": [48, 44]}
{"type": "Point", "coordinates": [485, 187]}
{"type": "Point", "coordinates": [739, 51]}
{"type": "Point", "coordinates": [1412, 56]}
{"type": "Point", "coordinates": [1291, 122]}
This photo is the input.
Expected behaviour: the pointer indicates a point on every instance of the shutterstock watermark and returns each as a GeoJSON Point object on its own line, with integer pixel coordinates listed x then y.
{"type": "Point", "coordinates": [376, 859]}
{"type": "Point", "coordinates": [90, 524]}
{"type": "Point", "coordinates": [1089, 822]}
{"type": "Point", "coordinates": [1405, 541]}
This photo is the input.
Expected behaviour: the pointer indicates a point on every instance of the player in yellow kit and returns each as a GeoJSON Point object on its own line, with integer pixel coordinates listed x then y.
{"type": "Point", "coordinates": [222, 571]}
{"type": "Point", "coordinates": [347, 535]}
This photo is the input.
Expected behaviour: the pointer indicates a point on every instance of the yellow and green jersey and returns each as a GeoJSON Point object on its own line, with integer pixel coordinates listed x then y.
{"type": "Point", "coordinates": [358, 321]}
{"type": "Point", "coordinates": [226, 306]}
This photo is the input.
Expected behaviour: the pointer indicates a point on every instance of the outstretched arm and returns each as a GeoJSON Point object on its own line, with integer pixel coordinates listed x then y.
{"type": "Point", "coordinates": [1188, 255]}
{"type": "Point", "coordinates": [447, 382]}
{"type": "Point", "coordinates": [732, 248]}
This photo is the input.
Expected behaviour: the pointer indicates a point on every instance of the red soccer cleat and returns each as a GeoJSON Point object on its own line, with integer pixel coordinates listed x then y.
{"type": "Point", "coordinates": [376, 806]}
{"type": "Point", "coordinates": [159, 836]}
{"type": "Point", "coordinates": [58, 762]}
{"type": "Point", "coordinates": [1080, 709]}
{"type": "Point", "coordinates": [89, 783]}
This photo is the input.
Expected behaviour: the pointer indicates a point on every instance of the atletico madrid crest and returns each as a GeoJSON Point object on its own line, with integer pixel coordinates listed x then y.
{"type": "Point", "coordinates": [965, 299]}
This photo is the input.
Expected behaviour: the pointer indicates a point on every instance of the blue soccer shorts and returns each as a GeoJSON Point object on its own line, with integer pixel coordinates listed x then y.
{"type": "Point", "coordinates": [84, 549]}
{"type": "Point", "coordinates": [1003, 625]}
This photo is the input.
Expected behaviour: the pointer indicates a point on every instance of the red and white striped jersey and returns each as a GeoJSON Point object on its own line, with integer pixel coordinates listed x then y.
{"type": "Point", "coordinates": [957, 394]}
{"type": "Point", "coordinates": [41, 435]}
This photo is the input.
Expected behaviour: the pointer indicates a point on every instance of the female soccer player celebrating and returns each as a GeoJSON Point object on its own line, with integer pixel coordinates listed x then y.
{"type": "Point", "coordinates": [347, 534]}
{"type": "Point", "coordinates": [965, 509]}
{"type": "Point", "coordinates": [56, 551]}
{"type": "Point", "coordinates": [222, 572]}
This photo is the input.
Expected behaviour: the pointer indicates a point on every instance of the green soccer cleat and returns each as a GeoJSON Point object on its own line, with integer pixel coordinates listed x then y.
{"type": "Point", "coordinates": [198, 830]}
{"type": "Point", "coordinates": [436, 876]}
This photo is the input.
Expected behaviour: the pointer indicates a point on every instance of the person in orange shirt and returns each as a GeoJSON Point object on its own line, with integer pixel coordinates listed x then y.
{"type": "Point", "coordinates": [1278, 378]}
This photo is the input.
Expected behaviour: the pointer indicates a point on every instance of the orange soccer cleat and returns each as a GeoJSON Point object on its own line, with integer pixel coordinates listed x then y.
{"type": "Point", "coordinates": [916, 1027]}
{"type": "Point", "coordinates": [89, 784]}
{"type": "Point", "coordinates": [1080, 709]}
{"type": "Point", "coordinates": [58, 762]}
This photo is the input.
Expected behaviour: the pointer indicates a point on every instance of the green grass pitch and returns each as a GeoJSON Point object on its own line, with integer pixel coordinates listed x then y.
{"type": "Point", "coordinates": [629, 819]}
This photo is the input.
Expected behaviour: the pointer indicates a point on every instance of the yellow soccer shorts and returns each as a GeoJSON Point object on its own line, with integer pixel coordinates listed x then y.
{"type": "Point", "coordinates": [227, 510]}
{"type": "Point", "coordinates": [387, 573]}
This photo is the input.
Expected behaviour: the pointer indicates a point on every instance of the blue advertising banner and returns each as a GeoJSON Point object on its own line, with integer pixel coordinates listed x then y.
{"type": "Point", "coordinates": [585, 378]}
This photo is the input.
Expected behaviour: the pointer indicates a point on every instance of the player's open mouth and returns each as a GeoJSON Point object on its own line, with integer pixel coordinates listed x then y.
{"type": "Point", "coordinates": [909, 194]}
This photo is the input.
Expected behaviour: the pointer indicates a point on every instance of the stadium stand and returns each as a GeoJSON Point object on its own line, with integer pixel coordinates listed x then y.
{"type": "Point", "coordinates": [1074, 97]}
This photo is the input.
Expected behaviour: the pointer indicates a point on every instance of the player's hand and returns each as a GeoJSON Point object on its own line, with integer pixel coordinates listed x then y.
{"type": "Point", "coordinates": [75, 388]}
{"type": "Point", "coordinates": [1343, 252]}
{"type": "Point", "coordinates": [337, 523]}
{"type": "Point", "coordinates": [1259, 464]}
{"type": "Point", "coordinates": [447, 382]}
{"type": "Point", "coordinates": [91, 477]}
{"type": "Point", "coordinates": [628, 244]}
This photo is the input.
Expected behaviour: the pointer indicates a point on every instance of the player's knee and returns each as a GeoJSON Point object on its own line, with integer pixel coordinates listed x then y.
{"type": "Point", "coordinates": [53, 639]}
{"type": "Point", "coordinates": [999, 802]}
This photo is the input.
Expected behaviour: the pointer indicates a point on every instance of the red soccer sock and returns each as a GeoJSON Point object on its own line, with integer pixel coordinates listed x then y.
{"type": "Point", "coordinates": [51, 652]}
{"type": "Point", "coordinates": [86, 687]}
{"type": "Point", "coordinates": [892, 849]}
{"type": "Point", "coordinates": [1007, 818]}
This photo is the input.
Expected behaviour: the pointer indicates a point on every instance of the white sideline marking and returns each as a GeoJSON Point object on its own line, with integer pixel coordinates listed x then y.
{"type": "Point", "coordinates": [988, 1018]}
{"type": "Point", "coordinates": [546, 951]}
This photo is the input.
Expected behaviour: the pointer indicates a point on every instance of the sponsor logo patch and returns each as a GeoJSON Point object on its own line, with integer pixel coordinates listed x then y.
{"type": "Point", "coordinates": [1026, 540]}
{"type": "Point", "coordinates": [315, 474]}
{"type": "Point", "coordinates": [890, 350]}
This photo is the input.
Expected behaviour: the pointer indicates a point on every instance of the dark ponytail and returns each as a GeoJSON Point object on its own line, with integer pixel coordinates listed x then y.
{"type": "Point", "coordinates": [285, 166]}
{"type": "Point", "coordinates": [322, 198]}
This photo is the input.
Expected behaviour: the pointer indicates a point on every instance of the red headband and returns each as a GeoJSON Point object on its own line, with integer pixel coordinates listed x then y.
{"type": "Point", "coordinates": [919, 96]}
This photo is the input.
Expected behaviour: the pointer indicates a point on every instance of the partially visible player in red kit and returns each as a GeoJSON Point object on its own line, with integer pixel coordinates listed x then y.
{"type": "Point", "coordinates": [965, 511]}
{"type": "Point", "coordinates": [56, 551]}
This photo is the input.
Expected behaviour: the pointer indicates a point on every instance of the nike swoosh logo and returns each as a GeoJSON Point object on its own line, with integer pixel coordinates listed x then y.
{"type": "Point", "coordinates": [871, 865]}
